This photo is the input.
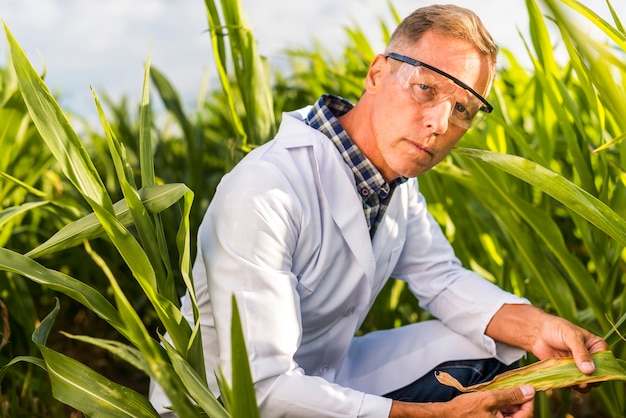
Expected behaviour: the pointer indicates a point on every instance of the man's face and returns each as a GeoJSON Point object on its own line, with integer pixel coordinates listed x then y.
{"type": "Point", "coordinates": [409, 137]}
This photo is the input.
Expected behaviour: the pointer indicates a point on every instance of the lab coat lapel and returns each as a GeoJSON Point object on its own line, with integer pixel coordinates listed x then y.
{"type": "Point", "coordinates": [338, 188]}
{"type": "Point", "coordinates": [346, 209]}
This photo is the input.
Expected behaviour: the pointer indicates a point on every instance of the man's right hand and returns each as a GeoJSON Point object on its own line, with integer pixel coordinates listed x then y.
{"type": "Point", "coordinates": [514, 403]}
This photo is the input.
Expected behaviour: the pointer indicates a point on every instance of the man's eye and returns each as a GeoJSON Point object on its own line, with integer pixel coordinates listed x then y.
{"type": "Point", "coordinates": [461, 108]}
{"type": "Point", "coordinates": [423, 92]}
{"type": "Point", "coordinates": [463, 112]}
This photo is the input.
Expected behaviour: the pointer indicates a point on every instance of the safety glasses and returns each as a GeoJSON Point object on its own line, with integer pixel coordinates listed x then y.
{"type": "Point", "coordinates": [430, 86]}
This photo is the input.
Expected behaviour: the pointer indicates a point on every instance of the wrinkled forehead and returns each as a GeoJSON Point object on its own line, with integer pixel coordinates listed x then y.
{"type": "Point", "coordinates": [456, 57]}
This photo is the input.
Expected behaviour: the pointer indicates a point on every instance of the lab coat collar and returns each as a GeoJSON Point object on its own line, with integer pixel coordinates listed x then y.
{"type": "Point", "coordinates": [337, 183]}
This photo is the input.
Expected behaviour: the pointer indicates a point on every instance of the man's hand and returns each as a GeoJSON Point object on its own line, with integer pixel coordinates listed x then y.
{"type": "Point", "coordinates": [545, 336]}
{"type": "Point", "coordinates": [514, 403]}
{"type": "Point", "coordinates": [560, 338]}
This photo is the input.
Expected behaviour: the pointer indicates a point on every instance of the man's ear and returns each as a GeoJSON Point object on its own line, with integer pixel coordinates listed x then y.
{"type": "Point", "coordinates": [377, 71]}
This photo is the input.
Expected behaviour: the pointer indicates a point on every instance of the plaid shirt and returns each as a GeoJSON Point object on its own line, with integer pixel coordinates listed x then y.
{"type": "Point", "coordinates": [375, 192]}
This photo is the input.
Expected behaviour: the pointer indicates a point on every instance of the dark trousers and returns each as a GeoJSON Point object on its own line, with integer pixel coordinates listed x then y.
{"type": "Point", "coordinates": [468, 372]}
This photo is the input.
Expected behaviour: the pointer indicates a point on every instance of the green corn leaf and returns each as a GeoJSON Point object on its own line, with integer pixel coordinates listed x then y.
{"type": "Point", "coordinates": [22, 359]}
{"type": "Point", "coordinates": [55, 129]}
{"type": "Point", "coordinates": [195, 353]}
{"type": "Point", "coordinates": [22, 184]}
{"type": "Point", "coordinates": [135, 329]}
{"type": "Point", "coordinates": [541, 38]}
{"type": "Point", "coordinates": [155, 198]}
{"type": "Point", "coordinates": [8, 214]}
{"type": "Point", "coordinates": [42, 332]}
{"type": "Point", "coordinates": [171, 101]}
{"type": "Point", "coordinates": [618, 37]}
{"type": "Point", "coordinates": [555, 373]}
{"type": "Point", "coordinates": [145, 138]}
{"type": "Point", "coordinates": [139, 264]}
{"type": "Point", "coordinates": [148, 178]}
{"type": "Point", "coordinates": [120, 350]}
{"type": "Point", "coordinates": [508, 207]}
{"type": "Point", "coordinates": [145, 228]}
{"type": "Point", "coordinates": [557, 186]}
{"type": "Point", "coordinates": [612, 143]}
{"type": "Point", "coordinates": [217, 30]}
{"type": "Point", "coordinates": [77, 290]}
{"type": "Point", "coordinates": [150, 356]}
{"type": "Point", "coordinates": [80, 387]}
{"type": "Point", "coordinates": [161, 371]}
{"type": "Point", "coordinates": [195, 384]}
{"type": "Point", "coordinates": [245, 405]}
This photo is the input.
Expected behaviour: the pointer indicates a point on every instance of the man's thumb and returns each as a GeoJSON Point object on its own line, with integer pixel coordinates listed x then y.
{"type": "Point", "coordinates": [526, 392]}
{"type": "Point", "coordinates": [518, 395]}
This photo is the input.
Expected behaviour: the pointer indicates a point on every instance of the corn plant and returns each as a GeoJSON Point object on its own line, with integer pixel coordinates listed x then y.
{"type": "Point", "coordinates": [177, 363]}
{"type": "Point", "coordinates": [21, 219]}
{"type": "Point", "coordinates": [134, 228]}
{"type": "Point", "coordinates": [249, 97]}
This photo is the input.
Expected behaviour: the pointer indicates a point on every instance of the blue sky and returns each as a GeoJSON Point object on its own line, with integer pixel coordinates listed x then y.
{"type": "Point", "coordinates": [104, 43]}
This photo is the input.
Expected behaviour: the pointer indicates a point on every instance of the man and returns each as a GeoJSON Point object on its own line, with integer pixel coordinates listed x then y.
{"type": "Point", "coordinates": [307, 229]}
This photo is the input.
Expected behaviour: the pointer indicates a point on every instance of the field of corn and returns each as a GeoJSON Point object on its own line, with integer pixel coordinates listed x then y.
{"type": "Point", "coordinates": [97, 230]}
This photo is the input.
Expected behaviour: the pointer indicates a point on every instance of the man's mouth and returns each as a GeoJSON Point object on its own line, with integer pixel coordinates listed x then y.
{"type": "Point", "coordinates": [423, 148]}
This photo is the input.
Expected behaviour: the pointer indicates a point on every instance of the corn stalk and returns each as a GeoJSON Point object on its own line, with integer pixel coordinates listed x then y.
{"type": "Point", "coordinates": [177, 366]}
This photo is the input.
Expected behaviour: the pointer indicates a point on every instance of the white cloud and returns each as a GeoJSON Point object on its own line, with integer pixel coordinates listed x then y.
{"type": "Point", "coordinates": [37, 14]}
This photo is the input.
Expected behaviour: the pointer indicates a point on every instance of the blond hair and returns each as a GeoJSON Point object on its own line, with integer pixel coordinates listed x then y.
{"type": "Point", "coordinates": [450, 20]}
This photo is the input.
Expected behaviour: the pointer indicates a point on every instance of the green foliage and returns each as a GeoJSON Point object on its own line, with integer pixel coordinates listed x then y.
{"type": "Point", "coordinates": [249, 95]}
{"type": "Point", "coordinates": [534, 200]}
{"type": "Point", "coordinates": [144, 252]}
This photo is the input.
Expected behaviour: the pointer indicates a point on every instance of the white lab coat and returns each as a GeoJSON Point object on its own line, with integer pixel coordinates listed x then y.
{"type": "Point", "coordinates": [286, 234]}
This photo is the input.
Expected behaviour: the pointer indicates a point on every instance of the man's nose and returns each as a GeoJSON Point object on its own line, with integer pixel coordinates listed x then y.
{"type": "Point", "coordinates": [437, 116]}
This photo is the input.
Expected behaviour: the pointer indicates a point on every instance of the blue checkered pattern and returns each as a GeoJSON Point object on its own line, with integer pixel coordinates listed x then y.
{"type": "Point", "coordinates": [375, 192]}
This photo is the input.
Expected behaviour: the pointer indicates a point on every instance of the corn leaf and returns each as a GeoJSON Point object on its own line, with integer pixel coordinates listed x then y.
{"type": "Point", "coordinates": [11, 213]}
{"type": "Point", "coordinates": [509, 207]}
{"type": "Point", "coordinates": [150, 357]}
{"type": "Point", "coordinates": [78, 386]}
{"type": "Point", "coordinates": [155, 198]}
{"type": "Point", "coordinates": [21, 359]}
{"type": "Point", "coordinates": [618, 37]}
{"type": "Point", "coordinates": [77, 290]}
{"type": "Point", "coordinates": [145, 228]}
{"type": "Point", "coordinates": [245, 405]}
{"type": "Point", "coordinates": [557, 186]}
{"type": "Point", "coordinates": [554, 373]}
{"type": "Point", "coordinates": [195, 384]}
{"type": "Point", "coordinates": [55, 129]}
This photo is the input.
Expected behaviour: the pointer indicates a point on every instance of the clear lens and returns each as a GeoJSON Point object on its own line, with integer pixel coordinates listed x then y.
{"type": "Point", "coordinates": [429, 89]}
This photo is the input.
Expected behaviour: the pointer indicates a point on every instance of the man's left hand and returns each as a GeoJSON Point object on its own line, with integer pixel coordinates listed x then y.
{"type": "Point", "coordinates": [546, 336]}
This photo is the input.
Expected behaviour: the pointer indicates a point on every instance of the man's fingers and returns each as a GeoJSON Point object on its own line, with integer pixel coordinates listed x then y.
{"type": "Point", "coordinates": [592, 344]}
{"type": "Point", "coordinates": [583, 359]}
{"type": "Point", "coordinates": [514, 402]}
{"type": "Point", "coordinates": [585, 364]}
{"type": "Point", "coordinates": [514, 396]}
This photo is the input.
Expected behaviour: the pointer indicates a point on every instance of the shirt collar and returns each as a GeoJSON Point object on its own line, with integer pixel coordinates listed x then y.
{"type": "Point", "coordinates": [323, 116]}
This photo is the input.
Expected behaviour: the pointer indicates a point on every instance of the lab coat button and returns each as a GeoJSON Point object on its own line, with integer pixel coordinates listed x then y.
{"type": "Point", "coordinates": [348, 312]}
{"type": "Point", "coordinates": [324, 370]}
